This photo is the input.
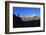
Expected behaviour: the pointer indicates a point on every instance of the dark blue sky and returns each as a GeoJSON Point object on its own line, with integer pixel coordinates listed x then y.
{"type": "Point", "coordinates": [26, 11]}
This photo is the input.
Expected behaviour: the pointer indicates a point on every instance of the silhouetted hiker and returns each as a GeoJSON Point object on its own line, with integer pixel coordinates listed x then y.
{"type": "Point", "coordinates": [18, 15]}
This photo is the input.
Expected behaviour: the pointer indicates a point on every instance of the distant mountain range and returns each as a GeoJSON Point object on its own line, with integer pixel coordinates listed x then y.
{"type": "Point", "coordinates": [30, 18]}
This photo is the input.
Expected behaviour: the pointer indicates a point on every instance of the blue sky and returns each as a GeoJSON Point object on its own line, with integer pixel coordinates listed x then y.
{"type": "Point", "coordinates": [26, 11]}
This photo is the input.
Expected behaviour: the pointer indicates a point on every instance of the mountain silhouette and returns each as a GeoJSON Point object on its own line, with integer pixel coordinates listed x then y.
{"type": "Point", "coordinates": [18, 22]}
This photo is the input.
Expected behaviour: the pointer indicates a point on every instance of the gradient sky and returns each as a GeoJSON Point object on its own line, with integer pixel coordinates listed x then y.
{"type": "Point", "coordinates": [26, 11]}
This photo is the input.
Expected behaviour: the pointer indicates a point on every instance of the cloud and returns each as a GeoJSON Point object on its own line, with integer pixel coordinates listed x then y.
{"type": "Point", "coordinates": [33, 15]}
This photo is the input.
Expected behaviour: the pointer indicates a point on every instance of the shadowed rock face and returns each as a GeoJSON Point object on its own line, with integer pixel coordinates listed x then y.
{"type": "Point", "coordinates": [18, 22]}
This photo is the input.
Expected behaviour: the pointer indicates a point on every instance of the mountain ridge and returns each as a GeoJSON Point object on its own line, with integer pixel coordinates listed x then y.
{"type": "Point", "coordinates": [30, 18]}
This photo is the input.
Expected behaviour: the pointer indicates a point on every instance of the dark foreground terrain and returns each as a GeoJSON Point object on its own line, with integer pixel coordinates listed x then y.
{"type": "Point", "coordinates": [17, 22]}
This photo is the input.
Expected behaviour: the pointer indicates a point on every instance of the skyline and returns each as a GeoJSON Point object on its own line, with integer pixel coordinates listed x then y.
{"type": "Point", "coordinates": [26, 11]}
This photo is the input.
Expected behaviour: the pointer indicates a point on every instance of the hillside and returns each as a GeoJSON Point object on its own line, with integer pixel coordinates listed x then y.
{"type": "Point", "coordinates": [31, 22]}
